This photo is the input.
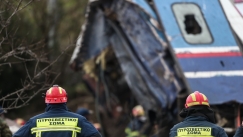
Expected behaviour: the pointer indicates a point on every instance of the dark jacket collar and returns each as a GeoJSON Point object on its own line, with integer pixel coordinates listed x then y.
{"type": "Point", "coordinates": [59, 106]}
{"type": "Point", "coordinates": [195, 118]}
{"type": "Point", "coordinates": [203, 111]}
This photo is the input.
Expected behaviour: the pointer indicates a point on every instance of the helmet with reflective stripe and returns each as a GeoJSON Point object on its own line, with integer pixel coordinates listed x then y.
{"type": "Point", "coordinates": [196, 98]}
{"type": "Point", "coordinates": [56, 94]}
{"type": "Point", "coordinates": [138, 111]}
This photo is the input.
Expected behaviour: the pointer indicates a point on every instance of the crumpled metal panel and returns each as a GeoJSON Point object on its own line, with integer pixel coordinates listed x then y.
{"type": "Point", "coordinates": [92, 39]}
{"type": "Point", "coordinates": [152, 59]}
{"type": "Point", "coordinates": [147, 64]}
{"type": "Point", "coordinates": [132, 73]}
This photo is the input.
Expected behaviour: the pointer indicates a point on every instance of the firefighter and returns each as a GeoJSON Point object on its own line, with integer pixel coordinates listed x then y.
{"type": "Point", "coordinates": [199, 119]}
{"type": "Point", "coordinates": [57, 121]}
{"type": "Point", "coordinates": [4, 128]}
{"type": "Point", "coordinates": [136, 124]}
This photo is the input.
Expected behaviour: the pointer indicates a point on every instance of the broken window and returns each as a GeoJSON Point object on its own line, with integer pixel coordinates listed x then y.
{"type": "Point", "coordinates": [192, 23]}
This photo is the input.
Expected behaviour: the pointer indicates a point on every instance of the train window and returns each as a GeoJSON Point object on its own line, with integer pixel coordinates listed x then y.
{"type": "Point", "coordinates": [192, 23]}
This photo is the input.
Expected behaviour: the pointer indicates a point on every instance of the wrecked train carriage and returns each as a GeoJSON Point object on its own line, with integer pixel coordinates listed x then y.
{"type": "Point", "coordinates": [121, 47]}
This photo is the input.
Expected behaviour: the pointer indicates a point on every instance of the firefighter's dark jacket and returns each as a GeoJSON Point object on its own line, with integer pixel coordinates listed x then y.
{"type": "Point", "coordinates": [239, 132]}
{"type": "Point", "coordinates": [57, 121]}
{"type": "Point", "coordinates": [198, 121]}
{"type": "Point", "coordinates": [197, 124]}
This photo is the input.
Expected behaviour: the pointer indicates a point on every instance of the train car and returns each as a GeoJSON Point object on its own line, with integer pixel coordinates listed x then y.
{"type": "Point", "coordinates": [207, 39]}
{"type": "Point", "coordinates": [206, 45]}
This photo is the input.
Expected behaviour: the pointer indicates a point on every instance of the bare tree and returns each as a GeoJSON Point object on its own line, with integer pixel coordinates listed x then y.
{"type": "Point", "coordinates": [31, 57]}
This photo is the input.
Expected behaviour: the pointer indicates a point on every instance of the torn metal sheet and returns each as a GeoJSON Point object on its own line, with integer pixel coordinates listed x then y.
{"type": "Point", "coordinates": [149, 67]}
{"type": "Point", "coordinates": [92, 40]}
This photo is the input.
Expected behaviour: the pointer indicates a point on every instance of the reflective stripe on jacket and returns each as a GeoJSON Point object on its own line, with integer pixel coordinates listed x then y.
{"type": "Point", "coordinates": [130, 133]}
{"type": "Point", "coordinates": [197, 126]}
{"type": "Point", "coordinates": [57, 121]}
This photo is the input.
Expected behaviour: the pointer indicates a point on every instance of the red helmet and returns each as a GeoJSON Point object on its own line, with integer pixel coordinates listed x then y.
{"type": "Point", "coordinates": [196, 98]}
{"type": "Point", "coordinates": [56, 94]}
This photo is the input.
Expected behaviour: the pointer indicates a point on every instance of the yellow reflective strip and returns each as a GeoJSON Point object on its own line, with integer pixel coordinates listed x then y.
{"type": "Point", "coordinates": [205, 103]}
{"type": "Point", "coordinates": [194, 131]}
{"type": "Point", "coordinates": [73, 134]}
{"type": "Point", "coordinates": [36, 130]}
{"type": "Point", "coordinates": [38, 134]}
{"type": "Point", "coordinates": [60, 90]}
{"type": "Point", "coordinates": [42, 130]}
{"type": "Point", "coordinates": [49, 91]}
{"type": "Point", "coordinates": [194, 136]}
{"type": "Point", "coordinates": [197, 103]}
{"type": "Point", "coordinates": [57, 127]}
{"type": "Point", "coordinates": [57, 121]}
{"type": "Point", "coordinates": [78, 128]}
{"type": "Point", "coordinates": [51, 130]}
{"type": "Point", "coordinates": [193, 97]}
{"type": "Point", "coordinates": [193, 103]}
{"type": "Point", "coordinates": [204, 97]}
{"type": "Point", "coordinates": [39, 131]}
{"type": "Point", "coordinates": [134, 134]}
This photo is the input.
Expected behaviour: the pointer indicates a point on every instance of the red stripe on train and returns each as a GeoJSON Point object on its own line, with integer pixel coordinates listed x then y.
{"type": "Point", "coordinates": [199, 55]}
